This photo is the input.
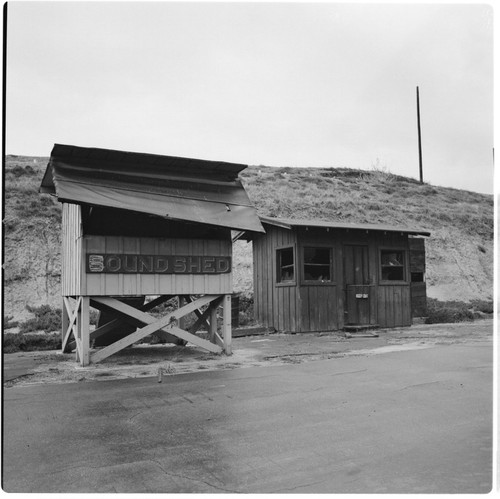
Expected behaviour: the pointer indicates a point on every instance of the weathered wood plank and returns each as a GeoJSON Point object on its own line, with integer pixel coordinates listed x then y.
{"type": "Point", "coordinates": [313, 308]}
{"type": "Point", "coordinates": [397, 306]}
{"type": "Point", "coordinates": [382, 305]}
{"type": "Point", "coordinates": [184, 335]}
{"type": "Point", "coordinates": [202, 317]}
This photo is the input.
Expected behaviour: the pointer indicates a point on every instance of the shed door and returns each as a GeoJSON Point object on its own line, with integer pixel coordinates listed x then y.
{"type": "Point", "coordinates": [358, 292]}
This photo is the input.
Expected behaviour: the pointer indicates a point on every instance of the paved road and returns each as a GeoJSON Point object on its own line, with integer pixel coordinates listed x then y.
{"type": "Point", "coordinates": [403, 422]}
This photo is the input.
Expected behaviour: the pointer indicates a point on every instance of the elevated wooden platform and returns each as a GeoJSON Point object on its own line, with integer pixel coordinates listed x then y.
{"type": "Point", "coordinates": [77, 335]}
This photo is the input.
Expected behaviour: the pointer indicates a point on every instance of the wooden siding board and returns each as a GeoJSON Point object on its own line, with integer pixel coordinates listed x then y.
{"type": "Point", "coordinates": [264, 281]}
{"type": "Point", "coordinates": [381, 308]}
{"type": "Point", "coordinates": [339, 278]}
{"type": "Point", "coordinates": [275, 290]}
{"type": "Point", "coordinates": [256, 282]}
{"type": "Point", "coordinates": [406, 292]}
{"type": "Point", "coordinates": [266, 277]}
{"type": "Point", "coordinates": [271, 281]}
{"type": "Point", "coordinates": [279, 310]}
{"type": "Point", "coordinates": [417, 261]}
{"type": "Point", "coordinates": [71, 250]}
{"type": "Point", "coordinates": [398, 302]}
{"type": "Point", "coordinates": [293, 309]}
{"type": "Point", "coordinates": [313, 307]}
{"type": "Point", "coordinates": [285, 309]}
{"type": "Point", "coordinates": [128, 285]}
{"type": "Point", "coordinates": [322, 306]}
{"type": "Point", "coordinates": [390, 306]}
{"type": "Point", "coordinates": [334, 316]}
{"type": "Point", "coordinates": [305, 323]}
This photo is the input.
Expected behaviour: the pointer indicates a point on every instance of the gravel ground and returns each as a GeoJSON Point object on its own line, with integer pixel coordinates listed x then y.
{"type": "Point", "coordinates": [250, 351]}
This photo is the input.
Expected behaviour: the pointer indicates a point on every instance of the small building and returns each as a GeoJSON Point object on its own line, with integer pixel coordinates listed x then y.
{"type": "Point", "coordinates": [141, 229]}
{"type": "Point", "coordinates": [323, 276]}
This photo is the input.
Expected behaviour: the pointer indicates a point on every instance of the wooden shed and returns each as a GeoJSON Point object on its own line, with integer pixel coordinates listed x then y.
{"type": "Point", "coordinates": [138, 230]}
{"type": "Point", "coordinates": [323, 276]}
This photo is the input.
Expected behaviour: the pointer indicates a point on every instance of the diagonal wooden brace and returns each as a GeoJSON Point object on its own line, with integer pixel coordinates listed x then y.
{"type": "Point", "coordinates": [153, 325]}
{"type": "Point", "coordinates": [202, 317]}
{"type": "Point", "coordinates": [73, 314]}
{"type": "Point", "coordinates": [117, 322]}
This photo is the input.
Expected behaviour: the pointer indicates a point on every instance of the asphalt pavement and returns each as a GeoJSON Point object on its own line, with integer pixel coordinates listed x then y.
{"type": "Point", "coordinates": [411, 421]}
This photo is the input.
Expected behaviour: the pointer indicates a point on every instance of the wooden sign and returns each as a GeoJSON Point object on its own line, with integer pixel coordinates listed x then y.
{"type": "Point", "coordinates": [100, 263]}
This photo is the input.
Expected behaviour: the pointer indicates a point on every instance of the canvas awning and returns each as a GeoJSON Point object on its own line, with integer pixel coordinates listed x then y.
{"type": "Point", "coordinates": [207, 192]}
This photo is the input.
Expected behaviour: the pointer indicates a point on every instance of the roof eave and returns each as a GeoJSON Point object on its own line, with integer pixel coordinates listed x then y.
{"type": "Point", "coordinates": [291, 225]}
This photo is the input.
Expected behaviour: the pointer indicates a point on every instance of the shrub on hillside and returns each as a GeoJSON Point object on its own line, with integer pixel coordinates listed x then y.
{"type": "Point", "coordinates": [245, 316]}
{"type": "Point", "coordinates": [484, 306]}
{"type": "Point", "coordinates": [8, 323]}
{"type": "Point", "coordinates": [30, 342]}
{"type": "Point", "coordinates": [451, 311]}
{"type": "Point", "coordinates": [19, 171]}
{"type": "Point", "coordinates": [46, 319]}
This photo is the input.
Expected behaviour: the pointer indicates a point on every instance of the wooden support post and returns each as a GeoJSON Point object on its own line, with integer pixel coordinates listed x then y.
{"type": "Point", "coordinates": [85, 331]}
{"type": "Point", "coordinates": [182, 302]}
{"type": "Point", "coordinates": [226, 328]}
{"type": "Point", "coordinates": [65, 324]}
{"type": "Point", "coordinates": [212, 330]}
{"type": "Point", "coordinates": [77, 331]}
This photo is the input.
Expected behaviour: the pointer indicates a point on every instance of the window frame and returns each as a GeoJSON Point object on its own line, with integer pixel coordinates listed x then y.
{"type": "Point", "coordinates": [278, 267]}
{"type": "Point", "coordinates": [404, 266]}
{"type": "Point", "coordinates": [307, 282]}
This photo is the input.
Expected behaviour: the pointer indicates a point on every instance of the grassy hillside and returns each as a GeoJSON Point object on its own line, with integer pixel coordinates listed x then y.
{"type": "Point", "coordinates": [459, 252]}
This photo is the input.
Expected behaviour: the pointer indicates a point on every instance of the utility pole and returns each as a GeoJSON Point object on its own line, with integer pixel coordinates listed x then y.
{"type": "Point", "coordinates": [419, 141]}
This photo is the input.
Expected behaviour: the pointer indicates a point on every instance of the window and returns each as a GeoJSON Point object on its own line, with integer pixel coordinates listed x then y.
{"type": "Point", "coordinates": [286, 265]}
{"type": "Point", "coordinates": [393, 265]}
{"type": "Point", "coordinates": [318, 264]}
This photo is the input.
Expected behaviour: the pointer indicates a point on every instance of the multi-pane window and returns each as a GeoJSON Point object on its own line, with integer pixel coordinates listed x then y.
{"type": "Point", "coordinates": [318, 264]}
{"type": "Point", "coordinates": [285, 265]}
{"type": "Point", "coordinates": [393, 265]}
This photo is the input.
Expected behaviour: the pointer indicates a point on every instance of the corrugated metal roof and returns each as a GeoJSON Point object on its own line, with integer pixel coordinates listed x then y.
{"type": "Point", "coordinates": [288, 223]}
{"type": "Point", "coordinates": [187, 189]}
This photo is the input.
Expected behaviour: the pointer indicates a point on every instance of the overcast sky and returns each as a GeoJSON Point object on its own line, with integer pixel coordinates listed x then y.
{"type": "Point", "coordinates": [284, 84]}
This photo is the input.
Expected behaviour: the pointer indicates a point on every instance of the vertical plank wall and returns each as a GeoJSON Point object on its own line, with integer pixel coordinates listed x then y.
{"type": "Point", "coordinates": [155, 284]}
{"type": "Point", "coordinates": [71, 252]}
{"type": "Point", "coordinates": [393, 300]}
{"type": "Point", "coordinates": [292, 307]}
{"type": "Point", "coordinates": [275, 304]}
